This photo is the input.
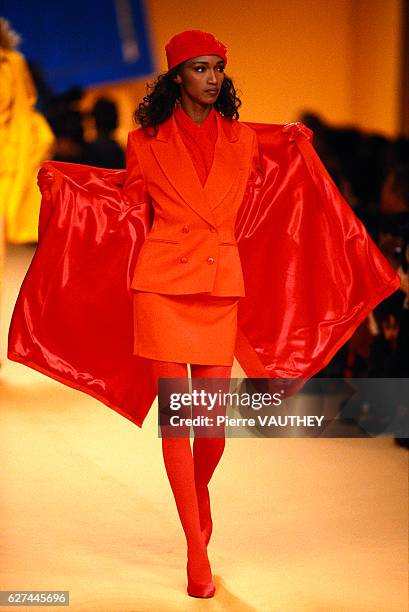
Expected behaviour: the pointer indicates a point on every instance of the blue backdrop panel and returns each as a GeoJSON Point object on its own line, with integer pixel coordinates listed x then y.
{"type": "Point", "coordinates": [83, 42]}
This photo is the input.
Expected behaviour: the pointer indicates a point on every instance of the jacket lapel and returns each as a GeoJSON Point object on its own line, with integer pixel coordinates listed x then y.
{"type": "Point", "coordinates": [177, 165]}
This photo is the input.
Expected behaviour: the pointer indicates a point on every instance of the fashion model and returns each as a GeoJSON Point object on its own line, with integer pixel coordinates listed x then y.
{"type": "Point", "coordinates": [188, 278]}
{"type": "Point", "coordinates": [220, 239]}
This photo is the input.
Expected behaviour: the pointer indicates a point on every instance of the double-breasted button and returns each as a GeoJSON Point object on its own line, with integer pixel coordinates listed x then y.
{"type": "Point", "coordinates": [185, 229]}
{"type": "Point", "coordinates": [183, 259]}
{"type": "Point", "coordinates": [212, 229]}
{"type": "Point", "coordinates": [210, 260]}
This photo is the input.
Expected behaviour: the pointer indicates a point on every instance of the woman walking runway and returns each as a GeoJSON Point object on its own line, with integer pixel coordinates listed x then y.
{"type": "Point", "coordinates": [184, 154]}
{"type": "Point", "coordinates": [221, 239]}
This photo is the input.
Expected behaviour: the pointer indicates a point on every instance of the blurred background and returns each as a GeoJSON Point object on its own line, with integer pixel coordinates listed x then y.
{"type": "Point", "coordinates": [343, 60]}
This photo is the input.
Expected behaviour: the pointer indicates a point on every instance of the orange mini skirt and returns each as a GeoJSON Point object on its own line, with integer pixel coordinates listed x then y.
{"type": "Point", "coordinates": [197, 328]}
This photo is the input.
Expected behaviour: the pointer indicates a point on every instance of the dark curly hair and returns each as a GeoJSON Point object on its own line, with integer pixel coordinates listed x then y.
{"type": "Point", "coordinates": [163, 92]}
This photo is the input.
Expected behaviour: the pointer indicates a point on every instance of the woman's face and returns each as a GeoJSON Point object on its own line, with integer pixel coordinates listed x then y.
{"type": "Point", "coordinates": [201, 78]}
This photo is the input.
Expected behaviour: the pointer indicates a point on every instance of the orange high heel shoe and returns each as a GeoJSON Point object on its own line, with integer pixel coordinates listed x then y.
{"type": "Point", "coordinates": [204, 591]}
{"type": "Point", "coordinates": [196, 589]}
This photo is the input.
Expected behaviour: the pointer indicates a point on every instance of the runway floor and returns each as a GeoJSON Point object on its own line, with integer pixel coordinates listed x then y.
{"type": "Point", "coordinates": [311, 525]}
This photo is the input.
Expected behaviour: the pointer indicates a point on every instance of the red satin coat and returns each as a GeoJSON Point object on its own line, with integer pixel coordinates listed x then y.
{"type": "Point", "coordinates": [311, 273]}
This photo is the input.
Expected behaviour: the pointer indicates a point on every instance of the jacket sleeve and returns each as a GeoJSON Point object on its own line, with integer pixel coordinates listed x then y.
{"type": "Point", "coordinates": [135, 188]}
{"type": "Point", "coordinates": [244, 220]}
{"type": "Point", "coordinates": [255, 161]}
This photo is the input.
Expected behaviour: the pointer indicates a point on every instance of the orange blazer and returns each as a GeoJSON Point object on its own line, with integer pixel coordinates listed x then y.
{"type": "Point", "coordinates": [191, 245]}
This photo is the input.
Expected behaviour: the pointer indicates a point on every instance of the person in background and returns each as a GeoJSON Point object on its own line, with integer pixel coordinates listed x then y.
{"type": "Point", "coordinates": [104, 151]}
{"type": "Point", "coordinates": [71, 146]}
{"type": "Point", "coordinates": [26, 140]}
{"type": "Point", "coordinates": [387, 356]}
{"type": "Point", "coordinates": [388, 323]}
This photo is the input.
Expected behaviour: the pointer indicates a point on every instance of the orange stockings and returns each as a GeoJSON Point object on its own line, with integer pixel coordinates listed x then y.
{"type": "Point", "coordinates": [189, 474]}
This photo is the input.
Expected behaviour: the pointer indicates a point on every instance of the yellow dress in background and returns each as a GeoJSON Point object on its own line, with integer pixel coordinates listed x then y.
{"type": "Point", "coordinates": [25, 142]}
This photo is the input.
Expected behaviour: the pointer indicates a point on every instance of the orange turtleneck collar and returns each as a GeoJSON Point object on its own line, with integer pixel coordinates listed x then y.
{"type": "Point", "coordinates": [183, 118]}
{"type": "Point", "coordinates": [199, 140]}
